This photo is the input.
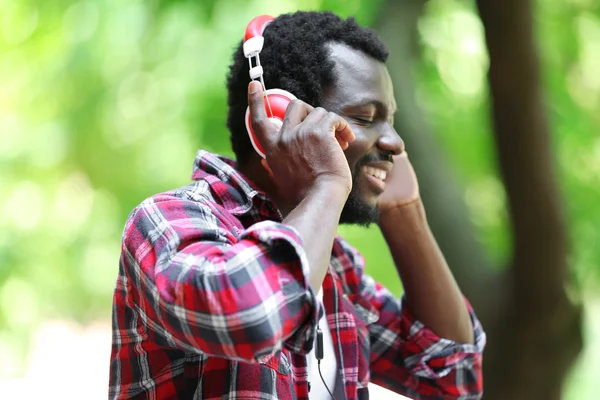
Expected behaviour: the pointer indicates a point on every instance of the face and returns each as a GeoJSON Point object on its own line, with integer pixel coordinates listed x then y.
{"type": "Point", "coordinates": [363, 95]}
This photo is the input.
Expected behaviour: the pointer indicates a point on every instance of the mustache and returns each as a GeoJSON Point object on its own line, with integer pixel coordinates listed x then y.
{"type": "Point", "coordinates": [371, 158]}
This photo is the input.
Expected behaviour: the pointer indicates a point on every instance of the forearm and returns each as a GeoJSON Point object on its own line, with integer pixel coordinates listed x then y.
{"type": "Point", "coordinates": [431, 291]}
{"type": "Point", "coordinates": [316, 219]}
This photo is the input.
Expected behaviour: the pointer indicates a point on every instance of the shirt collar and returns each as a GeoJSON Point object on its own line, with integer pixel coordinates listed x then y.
{"type": "Point", "coordinates": [238, 194]}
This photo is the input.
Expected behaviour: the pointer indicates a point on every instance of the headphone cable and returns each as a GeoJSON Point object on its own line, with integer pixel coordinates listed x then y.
{"type": "Point", "coordinates": [319, 354]}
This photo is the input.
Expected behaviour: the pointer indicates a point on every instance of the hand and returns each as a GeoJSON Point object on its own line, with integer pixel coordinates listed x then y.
{"type": "Point", "coordinates": [401, 186]}
{"type": "Point", "coordinates": [308, 150]}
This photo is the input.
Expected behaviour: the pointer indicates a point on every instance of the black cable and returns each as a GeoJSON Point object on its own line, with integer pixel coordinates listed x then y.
{"type": "Point", "coordinates": [319, 354]}
{"type": "Point", "coordinates": [323, 380]}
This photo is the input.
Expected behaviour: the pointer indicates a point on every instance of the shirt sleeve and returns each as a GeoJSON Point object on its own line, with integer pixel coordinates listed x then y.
{"type": "Point", "coordinates": [409, 358]}
{"type": "Point", "coordinates": [199, 287]}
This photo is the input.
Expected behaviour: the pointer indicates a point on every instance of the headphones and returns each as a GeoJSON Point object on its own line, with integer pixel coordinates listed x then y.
{"type": "Point", "coordinates": [276, 100]}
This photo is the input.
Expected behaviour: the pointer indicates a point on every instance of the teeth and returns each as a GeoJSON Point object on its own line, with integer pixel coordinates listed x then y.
{"type": "Point", "coordinates": [376, 172]}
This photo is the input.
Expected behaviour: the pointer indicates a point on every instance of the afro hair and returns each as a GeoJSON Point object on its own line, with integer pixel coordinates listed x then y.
{"type": "Point", "coordinates": [295, 58]}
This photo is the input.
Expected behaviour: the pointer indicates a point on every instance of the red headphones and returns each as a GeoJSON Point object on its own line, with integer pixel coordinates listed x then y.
{"type": "Point", "coordinates": [276, 100]}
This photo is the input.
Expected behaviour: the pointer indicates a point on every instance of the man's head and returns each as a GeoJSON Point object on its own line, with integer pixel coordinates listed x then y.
{"type": "Point", "coordinates": [335, 64]}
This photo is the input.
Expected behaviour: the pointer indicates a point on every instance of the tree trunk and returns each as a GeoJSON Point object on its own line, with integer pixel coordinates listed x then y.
{"type": "Point", "coordinates": [543, 330]}
{"type": "Point", "coordinates": [533, 331]}
{"type": "Point", "coordinates": [439, 188]}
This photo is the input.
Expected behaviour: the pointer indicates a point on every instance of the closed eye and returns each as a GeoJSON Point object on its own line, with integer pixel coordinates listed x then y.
{"type": "Point", "coordinates": [365, 122]}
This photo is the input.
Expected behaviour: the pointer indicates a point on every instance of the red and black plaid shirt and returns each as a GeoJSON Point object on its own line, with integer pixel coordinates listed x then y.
{"type": "Point", "coordinates": [212, 301]}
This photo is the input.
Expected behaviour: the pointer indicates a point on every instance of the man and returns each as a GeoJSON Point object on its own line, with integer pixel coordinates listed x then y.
{"type": "Point", "coordinates": [225, 283]}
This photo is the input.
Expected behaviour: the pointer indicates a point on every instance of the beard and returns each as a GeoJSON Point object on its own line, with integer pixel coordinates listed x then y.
{"type": "Point", "coordinates": [356, 211]}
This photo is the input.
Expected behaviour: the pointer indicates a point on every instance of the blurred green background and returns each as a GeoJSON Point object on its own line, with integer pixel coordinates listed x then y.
{"type": "Point", "coordinates": [104, 102]}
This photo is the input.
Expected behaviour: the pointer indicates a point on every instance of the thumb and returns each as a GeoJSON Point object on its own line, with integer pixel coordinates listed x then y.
{"type": "Point", "coordinates": [258, 115]}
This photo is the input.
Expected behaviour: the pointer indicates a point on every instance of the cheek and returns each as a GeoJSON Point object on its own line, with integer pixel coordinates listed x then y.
{"type": "Point", "coordinates": [353, 158]}
{"type": "Point", "coordinates": [357, 149]}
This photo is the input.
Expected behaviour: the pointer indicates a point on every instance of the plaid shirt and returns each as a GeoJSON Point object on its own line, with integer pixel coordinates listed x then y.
{"type": "Point", "coordinates": [212, 301]}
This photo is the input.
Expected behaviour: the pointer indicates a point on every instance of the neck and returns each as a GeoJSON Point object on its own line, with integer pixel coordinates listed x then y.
{"type": "Point", "coordinates": [254, 171]}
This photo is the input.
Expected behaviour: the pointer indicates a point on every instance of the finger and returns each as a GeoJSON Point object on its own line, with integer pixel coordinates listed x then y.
{"type": "Point", "coordinates": [400, 157]}
{"type": "Point", "coordinates": [340, 129]}
{"type": "Point", "coordinates": [296, 112]}
{"type": "Point", "coordinates": [314, 118]}
{"type": "Point", "coordinates": [344, 131]}
{"type": "Point", "coordinates": [343, 144]}
{"type": "Point", "coordinates": [258, 115]}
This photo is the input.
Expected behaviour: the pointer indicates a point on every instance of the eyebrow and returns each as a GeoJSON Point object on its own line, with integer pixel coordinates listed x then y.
{"type": "Point", "coordinates": [368, 101]}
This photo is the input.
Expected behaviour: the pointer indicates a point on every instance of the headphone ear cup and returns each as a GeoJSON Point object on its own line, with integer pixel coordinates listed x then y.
{"type": "Point", "coordinates": [279, 101]}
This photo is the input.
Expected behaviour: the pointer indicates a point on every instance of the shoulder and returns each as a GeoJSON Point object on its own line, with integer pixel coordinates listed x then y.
{"type": "Point", "coordinates": [192, 205]}
{"type": "Point", "coordinates": [196, 194]}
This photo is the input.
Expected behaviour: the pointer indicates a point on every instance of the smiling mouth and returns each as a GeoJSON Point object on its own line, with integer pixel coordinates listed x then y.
{"type": "Point", "coordinates": [375, 172]}
{"type": "Point", "coordinates": [376, 178]}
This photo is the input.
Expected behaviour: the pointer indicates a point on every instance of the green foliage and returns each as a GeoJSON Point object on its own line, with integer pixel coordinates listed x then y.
{"type": "Point", "coordinates": [104, 102]}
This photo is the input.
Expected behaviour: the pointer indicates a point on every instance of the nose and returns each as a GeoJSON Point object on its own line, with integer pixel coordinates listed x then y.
{"type": "Point", "coordinates": [390, 142]}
